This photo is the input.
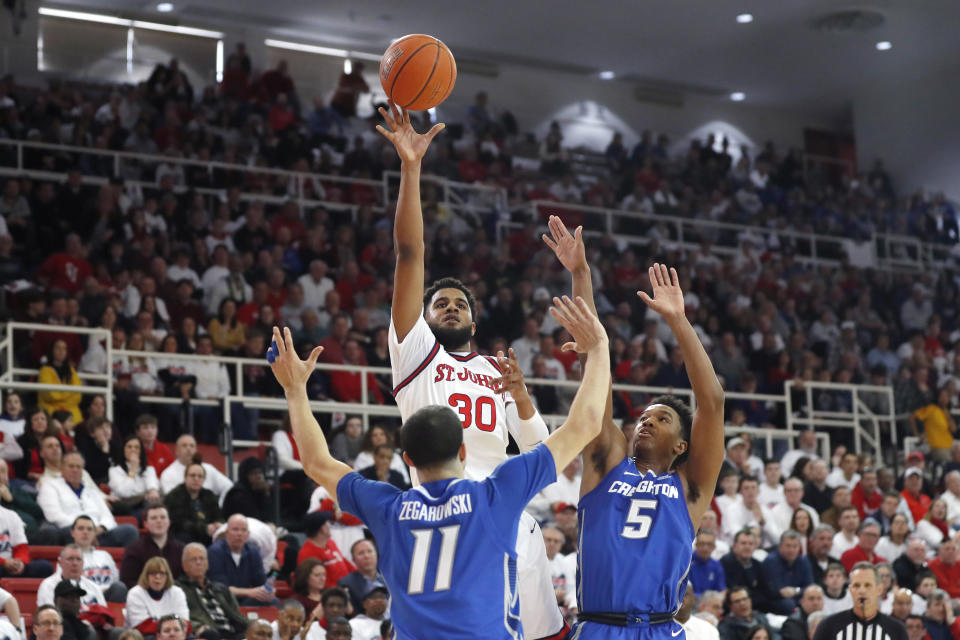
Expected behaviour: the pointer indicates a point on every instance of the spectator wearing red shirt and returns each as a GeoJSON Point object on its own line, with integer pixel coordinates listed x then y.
{"type": "Point", "coordinates": [918, 501]}
{"type": "Point", "coordinates": [868, 534]}
{"type": "Point", "coordinates": [281, 115]}
{"type": "Point", "coordinates": [68, 269]}
{"type": "Point", "coordinates": [289, 217]}
{"type": "Point", "coordinates": [248, 313]}
{"type": "Point", "coordinates": [866, 496]}
{"type": "Point", "coordinates": [319, 545]}
{"type": "Point", "coordinates": [946, 568]}
{"type": "Point", "coordinates": [349, 88]}
{"type": "Point", "coordinates": [236, 80]}
{"type": "Point", "coordinates": [352, 282]}
{"type": "Point", "coordinates": [333, 345]}
{"type": "Point", "coordinates": [277, 81]}
{"type": "Point", "coordinates": [346, 386]}
{"type": "Point", "coordinates": [159, 455]}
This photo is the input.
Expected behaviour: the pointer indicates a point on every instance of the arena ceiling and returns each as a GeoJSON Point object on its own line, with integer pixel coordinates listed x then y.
{"type": "Point", "coordinates": [784, 57]}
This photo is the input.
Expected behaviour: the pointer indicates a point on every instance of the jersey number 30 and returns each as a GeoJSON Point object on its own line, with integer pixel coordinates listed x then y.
{"type": "Point", "coordinates": [638, 524]}
{"type": "Point", "coordinates": [482, 413]}
{"type": "Point", "coordinates": [421, 555]}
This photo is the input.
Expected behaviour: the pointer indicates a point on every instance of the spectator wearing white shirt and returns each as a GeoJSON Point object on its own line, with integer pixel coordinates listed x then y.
{"type": "Point", "coordinates": [185, 451]}
{"type": "Point", "coordinates": [233, 285]}
{"type": "Point", "coordinates": [99, 566]}
{"type": "Point", "coordinates": [771, 489]}
{"type": "Point", "coordinates": [70, 567]}
{"type": "Point", "coordinates": [63, 499]}
{"type": "Point", "coordinates": [638, 200]}
{"type": "Point", "coordinates": [290, 618]}
{"type": "Point", "coordinates": [567, 487]}
{"type": "Point", "coordinates": [710, 522]}
{"type": "Point", "coordinates": [748, 512]}
{"type": "Point", "coordinates": [846, 538]}
{"type": "Point", "coordinates": [181, 270]}
{"type": "Point", "coordinates": [782, 514]}
{"type": "Point", "coordinates": [213, 382]}
{"type": "Point", "coordinates": [562, 569]}
{"type": "Point", "coordinates": [528, 344]}
{"type": "Point", "coordinates": [806, 448]}
{"type": "Point", "coordinates": [143, 611]}
{"type": "Point", "coordinates": [695, 628]}
{"type": "Point", "coordinates": [553, 368]}
{"type": "Point", "coordinates": [375, 436]}
{"type": "Point", "coordinates": [892, 545]}
{"type": "Point", "coordinates": [14, 553]}
{"type": "Point", "coordinates": [845, 474]}
{"type": "Point", "coordinates": [131, 479]}
{"type": "Point", "coordinates": [12, 420]}
{"type": "Point", "coordinates": [315, 285]}
{"type": "Point", "coordinates": [216, 272]}
{"type": "Point", "coordinates": [951, 496]}
{"type": "Point", "coordinates": [366, 626]}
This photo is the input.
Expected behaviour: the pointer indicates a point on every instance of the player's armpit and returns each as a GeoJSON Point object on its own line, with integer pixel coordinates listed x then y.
{"type": "Point", "coordinates": [604, 452]}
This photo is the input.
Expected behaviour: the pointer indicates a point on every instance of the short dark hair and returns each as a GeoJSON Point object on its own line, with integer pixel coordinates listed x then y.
{"type": "Point", "coordinates": [333, 592]}
{"type": "Point", "coordinates": [450, 283]}
{"type": "Point", "coordinates": [431, 436]}
{"type": "Point", "coordinates": [744, 479]}
{"type": "Point", "coordinates": [82, 517]}
{"type": "Point", "coordinates": [338, 620]}
{"type": "Point", "coordinates": [143, 419]}
{"type": "Point", "coordinates": [686, 421]}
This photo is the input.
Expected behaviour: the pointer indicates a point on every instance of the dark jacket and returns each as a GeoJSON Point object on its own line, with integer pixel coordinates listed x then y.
{"type": "Point", "coordinates": [795, 627]}
{"type": "Point", "coordinates": [29, 444]}
{"type": "Point", "coordinates": [394, 477]}
{"type": "Point", "coordinates": [778, 574]}
{"type": "Point", "coordinates": [186, 523]}
{"type": "Point", "coordinates": [819, 573]}
{"type": "Point", "coordinates": [221, 593]}
{"type": "Point", "coordinates": [906, 571]}
{"type": "Point", "coordinates": [733, 628]}
{"type": "Point", "coordinates": [750, 577]}
{"type": "Point", "coordinates": [26, 507]}
{"type": "Point", "coordinates": [137, 554]}
{"type": "Point", "coordinates": [243, 499]}
{"type": "Point", "coordinates": [357, 586]}
{"type": "Point", "coordinates": [249, 573]}
{"type": "Point", "coordinates": [96, 462]}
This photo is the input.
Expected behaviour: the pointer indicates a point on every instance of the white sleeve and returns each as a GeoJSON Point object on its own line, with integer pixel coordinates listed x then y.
{"type": "Point", "coordinates": [407, 356]}
{"type": "Point", "coordinates": [137, 610]}
{"type": "Point", "coordinates": [224, 380]}
{"type": "Point", "coordinates": [179, 602]}
{"type": "Point", "coordinates": [528, 433]}
{"type": "Point", "coordinates": [92, 589]}
{"type": "Point", "coordinates": [18, 535]}
{"type": "Point", "coordinates": [45, 592]}
{"type": "Point", "coordinates": [281, 444]}
{"type": "Point", "coordinates": [363, 460]}
{"type": "Point", "coordinates": [150, 478]}
{"type": "Point", "coordinates": [111, 566]}
{"type": "Point", "coordinates": [49, 503]}
{"type": "Point", "coordinates": [104, 518]}
{"type": "Point", "coordinates": [221, 483]}
{"type": "Point", "coordinates": [121, 485]}
{"type": "Point", "coordinates": [10, 449]}
{"type": "Point", "coordinates": [168, 480]}
{"type": "Point", "coordinates": [398, 465]}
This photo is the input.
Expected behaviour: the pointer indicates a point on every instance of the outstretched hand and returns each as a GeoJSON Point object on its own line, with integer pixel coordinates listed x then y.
{"type": "Point", "coordinates": [410, 145]}
{"type": "Point", "coordinates": [667, 297]}
{"type": "Point", "coordinates": [291, 372]}
{"type": "Point", "coordinates": [576, 317]}
{"type": "Point", "coordinates": [568, 248]}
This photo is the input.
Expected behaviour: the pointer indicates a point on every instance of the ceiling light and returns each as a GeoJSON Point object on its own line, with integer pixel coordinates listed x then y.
{"type": "Point", "coordinates": [745, 18]}
{"type": "Point", "coordinates": [165, 7]}
{"type": "Point", "coordinates": [607, 75]}
{"type": "Point", "coordinates": [884, 45]}
{"type": "Point", "coordinates": [738, 96]}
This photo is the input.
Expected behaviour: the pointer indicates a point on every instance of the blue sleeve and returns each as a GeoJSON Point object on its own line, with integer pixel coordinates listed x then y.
{"type": "Point", "coordinates": [368, 500]}
{"type": "Point", "coordinates": [215, 572]}
{"type": "Point", "coordinates": [514, 483]}
{"type": "Point", "coordinates": [806, 572]}
{"type": "Point", "coordinates": [773, 574]}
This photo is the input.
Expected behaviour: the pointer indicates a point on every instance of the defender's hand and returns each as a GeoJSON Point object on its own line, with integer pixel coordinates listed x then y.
{"type": "Point", "coordinates": [291, 372]}
{"type": "Point", "coordinates": [576, 317]}
{"type": "Point", "coordinates": [568, 248]}
{"type": "Point", "coordinates": [667, 297]}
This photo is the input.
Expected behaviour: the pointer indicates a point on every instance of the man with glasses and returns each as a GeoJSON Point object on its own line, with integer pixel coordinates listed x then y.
{"type": "Point", "coordinates": [212, 606]}
{"type": "Point", "coordinates": [864, 620]}
{"type": "Point", "coordinates": [48, 625]}
{"type": "Point", "coordinates": [868, 535]}
{"type": "Point", "coordinates": [71, 569]}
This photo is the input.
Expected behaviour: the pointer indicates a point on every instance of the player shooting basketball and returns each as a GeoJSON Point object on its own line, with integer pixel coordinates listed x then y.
{"type": "Point", "coordinates": [429, 341]}
{"type": "Point", "coordinates": [639, 510]}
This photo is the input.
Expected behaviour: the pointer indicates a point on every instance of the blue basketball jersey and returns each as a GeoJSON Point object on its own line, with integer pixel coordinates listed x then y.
{"type": "Point", "coordinates": [447, 548]}
{"type": "Point", "coordinates": [636, 543]}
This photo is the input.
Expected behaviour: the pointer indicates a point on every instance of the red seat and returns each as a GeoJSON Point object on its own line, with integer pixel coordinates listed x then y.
{"type": "Point", "coordinates": [262, 613]}
{"type": "Point", "coordinates": [210, 454]}
{"type": "Point", "coordinates": [24, 590]}
{"type": "Point", "coordinates": [127, 520]}
{"type": "Point", "coordinates": [45, 552]}
{"type": "Point", "coordinates": [115, 552]}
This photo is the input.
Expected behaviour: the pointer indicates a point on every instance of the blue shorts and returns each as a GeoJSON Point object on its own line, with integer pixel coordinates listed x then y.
{"type": "Point", "coordinates": [596, 631]}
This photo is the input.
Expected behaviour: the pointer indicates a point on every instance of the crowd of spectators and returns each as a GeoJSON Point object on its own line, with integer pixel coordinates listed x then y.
{"type": "Point", "coordinates": [168, 270]}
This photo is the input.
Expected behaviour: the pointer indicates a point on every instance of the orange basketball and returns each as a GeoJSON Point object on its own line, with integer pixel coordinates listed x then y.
{"type": "Point", "coordinates": [418, 72]}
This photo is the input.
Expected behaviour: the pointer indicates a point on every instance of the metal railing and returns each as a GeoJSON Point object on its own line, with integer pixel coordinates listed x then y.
{"type": "Point", "coordinates": [890, 252]}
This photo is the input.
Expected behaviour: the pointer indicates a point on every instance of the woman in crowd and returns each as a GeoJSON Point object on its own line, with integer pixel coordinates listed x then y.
{"type": "Point", "coordinates": [29, 468]}
{"type": "Point", "coordinates": [377, 435]}
{"type": "Point", "coordinates": [802, 524]}
{"type": "Point", "coordinates": [95, 442]}
{"type": "Point", "coordinates": [308, 583]}
{"type": "Point", "coordinates": [154, 596]}
{"type": "Point", "coordinates": [132, 481]}
{"type": "Point", "coordinates": [143, 369]}
{"type": "Point", "coordinates": [933, 528]}
{"type": "Point", "coordinates": [12, 419]}
{"type": "Point", "coordinates": [893, 544]}
{"type": "Point", "coordinates": [58, 370]}
{"type": "Point", "coordinates": [227, 332]}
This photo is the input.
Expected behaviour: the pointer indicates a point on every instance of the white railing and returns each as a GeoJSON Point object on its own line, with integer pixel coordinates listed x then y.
{"type": "Point", "coordinates": [865, 424]}
{"type": "Point", "coordinates": [887, 251]}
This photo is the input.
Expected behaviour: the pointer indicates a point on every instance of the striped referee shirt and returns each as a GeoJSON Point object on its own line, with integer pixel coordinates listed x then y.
{"type": "Point", "coordinates": [847, 626]}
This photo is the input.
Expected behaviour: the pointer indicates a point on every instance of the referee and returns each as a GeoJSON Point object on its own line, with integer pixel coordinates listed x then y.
{"type": "Point", "coordinates": [864, 621]}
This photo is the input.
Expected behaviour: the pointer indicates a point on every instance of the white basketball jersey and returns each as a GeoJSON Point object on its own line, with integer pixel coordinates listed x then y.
{"type": "Point", "coordinates": [424, 374]}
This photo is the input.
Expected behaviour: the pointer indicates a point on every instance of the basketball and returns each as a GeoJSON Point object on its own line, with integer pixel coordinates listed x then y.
{"type": "Point", "coordinates": [418, 72]}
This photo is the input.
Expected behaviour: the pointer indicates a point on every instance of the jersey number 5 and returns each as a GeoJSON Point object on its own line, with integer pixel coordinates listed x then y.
{"type": "Point", "coordinates": [638, 524]}
{"type": "Point", "coordinates": [482, 413]}
{"type": "Point", "coordinates": [421, 555]}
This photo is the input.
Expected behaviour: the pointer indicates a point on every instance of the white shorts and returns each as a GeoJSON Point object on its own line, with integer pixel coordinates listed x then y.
{"type": "Point", "coordinates": [539, 612]}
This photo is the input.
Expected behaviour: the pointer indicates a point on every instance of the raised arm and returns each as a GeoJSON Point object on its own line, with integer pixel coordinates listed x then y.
{"type": "Point", "coordinates": [610, 447]}
{"type": "Point", "coordinates": [706, 435]}
{"type": "Point", "coordinates": [408, 224]}
{"type": "Point", "coordinates": [292, 374]}
{"type": "Point", "coordinates": [583, 422]}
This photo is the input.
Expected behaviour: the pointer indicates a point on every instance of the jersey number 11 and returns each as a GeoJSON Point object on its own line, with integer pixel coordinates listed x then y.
{"type": "Point", "coordinates": [421, 554]}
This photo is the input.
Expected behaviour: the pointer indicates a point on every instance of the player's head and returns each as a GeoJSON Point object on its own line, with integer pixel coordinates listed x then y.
{"type": "Point", "coordinates": [432, 437]}
{"type": "Point", "coordinates": [663, 430]}
{"type": "Point", "coordinates": [448, 309]}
